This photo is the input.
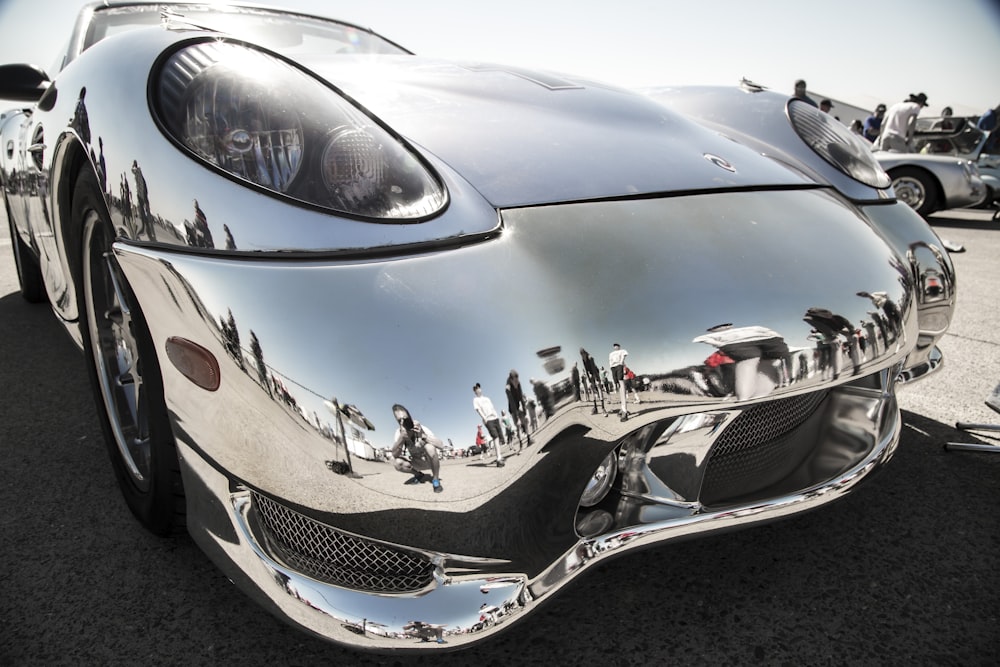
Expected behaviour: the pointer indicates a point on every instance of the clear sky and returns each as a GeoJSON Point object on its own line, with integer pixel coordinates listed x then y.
{"type": "Point", "coordinates": [858, 51]}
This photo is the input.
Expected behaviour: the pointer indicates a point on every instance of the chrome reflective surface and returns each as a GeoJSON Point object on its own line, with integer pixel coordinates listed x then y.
{"type": "Point", "coordinates": [314, 354]}
{"type": "Point", "coordinates": [763, 314]}
{"type": "Point", "coordinates": [471, 599]}
{"type": "Point", "coordinates": [115, 351]}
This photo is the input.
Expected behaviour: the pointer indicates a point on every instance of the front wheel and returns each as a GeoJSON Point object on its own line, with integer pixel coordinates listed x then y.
{"type": "Point", "coordinates": [124, 373]}
{"type": "Point", "coordinates": [916, 188]}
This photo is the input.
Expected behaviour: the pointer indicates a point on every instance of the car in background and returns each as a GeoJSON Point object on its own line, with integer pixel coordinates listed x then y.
{"type": "Point", "coordinates": [944, 170]}
{"type": "Point", "coordinates": [960, 137]}
{"type": "Point", "coordinates": [284, 243]}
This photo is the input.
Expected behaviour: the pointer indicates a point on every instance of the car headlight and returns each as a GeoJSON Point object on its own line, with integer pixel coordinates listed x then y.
{"type": "Point", "coordinates": [265, 122]}
{"type": "Point", "coordinates": [836, 144]}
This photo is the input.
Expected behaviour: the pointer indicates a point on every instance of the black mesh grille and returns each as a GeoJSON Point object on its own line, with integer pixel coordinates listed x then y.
{"type": "Point", "coordinates": [329, 555]}
{"type": "Point", "coordinates": [758, 449]}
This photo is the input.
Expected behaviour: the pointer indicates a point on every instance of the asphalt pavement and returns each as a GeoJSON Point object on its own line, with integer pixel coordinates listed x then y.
{"type": "Point", "coordinates": [902, 572]}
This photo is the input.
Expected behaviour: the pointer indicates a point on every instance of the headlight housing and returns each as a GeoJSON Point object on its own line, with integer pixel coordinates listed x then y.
{"type": "Point", "coordinates": [836, 144]}
{"type": "Point", "coordinates": [263, 121]}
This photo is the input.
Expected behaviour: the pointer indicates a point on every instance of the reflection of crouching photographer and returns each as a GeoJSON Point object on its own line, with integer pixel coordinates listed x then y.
{"type": "Point", "coordinates": [415, 449]}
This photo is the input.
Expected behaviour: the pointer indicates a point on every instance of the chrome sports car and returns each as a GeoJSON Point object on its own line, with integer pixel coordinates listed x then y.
{"type": "Point", "coordinates": [303, 263]}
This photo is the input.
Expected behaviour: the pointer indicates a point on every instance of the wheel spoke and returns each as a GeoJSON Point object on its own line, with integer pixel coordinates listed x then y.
{"type": "Point", "coordinates": [116, 353]}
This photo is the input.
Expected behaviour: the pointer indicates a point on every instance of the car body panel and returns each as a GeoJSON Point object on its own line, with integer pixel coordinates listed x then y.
{"type": "Point", "coordinates": [503, 535]}
{"type": "Point", "coordinates": [770, 302]}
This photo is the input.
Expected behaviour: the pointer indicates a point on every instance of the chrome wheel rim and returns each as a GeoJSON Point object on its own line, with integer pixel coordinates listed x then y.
{"type": "Point", "coordinates": [115, 350]}
{"type": "Point", "coordinates": [910, 191]}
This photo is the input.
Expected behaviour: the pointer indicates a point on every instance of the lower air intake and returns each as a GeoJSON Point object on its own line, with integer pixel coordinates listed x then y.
{"type": "Point", "coordinates": [329, 555]}
{"type": "Point", "coordinates": [759, 448]}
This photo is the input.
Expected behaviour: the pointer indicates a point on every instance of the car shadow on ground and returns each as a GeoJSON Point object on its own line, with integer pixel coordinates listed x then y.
{"type": "Point", "coordinates": [965, 219]}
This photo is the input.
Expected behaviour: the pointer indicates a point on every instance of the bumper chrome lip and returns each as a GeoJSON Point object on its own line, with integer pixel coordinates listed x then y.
{"type": "Point", "coordinates": [932, 362]}
{"type": "Point", "coordinates": [464, 609]}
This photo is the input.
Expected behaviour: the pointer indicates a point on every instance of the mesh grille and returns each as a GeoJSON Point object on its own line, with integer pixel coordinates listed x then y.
{"type": "Point", "coordinates": [326, 554]}
{"type": "Point", "coordinates": [758, 449]}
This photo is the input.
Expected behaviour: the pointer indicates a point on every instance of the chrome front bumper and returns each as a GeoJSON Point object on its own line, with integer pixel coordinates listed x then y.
{"type": "Point", "coordinates": [839, 317]}
{"type": "Point", "coordinates": [461, 608]}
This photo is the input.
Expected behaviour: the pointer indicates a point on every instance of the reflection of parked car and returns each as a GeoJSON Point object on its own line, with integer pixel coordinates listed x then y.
{"type": "Point", "coordinates": [474, 450]}
{"type": "Point", "coordinates": [960, 137]}
{"type": "Point", "coordinates": [246, 217]}
{"type": "Point", "coordinates": [943, 171]}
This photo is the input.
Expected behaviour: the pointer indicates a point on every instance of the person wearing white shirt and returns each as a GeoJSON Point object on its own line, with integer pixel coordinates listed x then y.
{"type": "Point", "coordinates": [899, 123]}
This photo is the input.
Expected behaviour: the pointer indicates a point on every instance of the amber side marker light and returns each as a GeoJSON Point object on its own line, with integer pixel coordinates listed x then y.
{"type": "Point", "coordinates": [194, 362]}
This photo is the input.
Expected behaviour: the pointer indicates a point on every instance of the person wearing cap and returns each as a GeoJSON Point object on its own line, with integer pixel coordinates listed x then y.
{"type": "Point", "coordinates": [873, 124]}
{"type": "Point", "coordinates": [900, 121]}
{"type": "Point", "coordinates": [800, 93]}
{"type": "Point", "coordinates": [825, 106]}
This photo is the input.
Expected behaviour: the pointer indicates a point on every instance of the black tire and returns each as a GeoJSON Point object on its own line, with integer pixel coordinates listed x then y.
{"type": "Point", "coordinates": [124, 373]}
{"type": "Point", "coordinates": [917, 188]}
{"type": "Point", "coordinates": [29, 273]}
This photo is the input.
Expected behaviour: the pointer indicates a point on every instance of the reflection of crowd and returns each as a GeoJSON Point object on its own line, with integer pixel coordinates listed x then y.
{"type": "Point", "coordinates": [748, 363]}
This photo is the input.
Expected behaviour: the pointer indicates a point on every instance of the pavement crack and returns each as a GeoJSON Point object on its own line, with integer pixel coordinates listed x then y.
{"type": "Point", "coordinates": [991, 343]}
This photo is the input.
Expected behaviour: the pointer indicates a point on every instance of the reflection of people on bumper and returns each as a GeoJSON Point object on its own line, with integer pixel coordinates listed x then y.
{"type": "Point", "coordinates": [517, 405]}
{"type": "Point", "coordinates": [415, 449]}
{"type": "Point", "coordinates": [484, 408]}
{"type": "Point", "coordinates": [616, 360]}
{"type": "Point", "coordinates": [544, 396]}
{"type": "Point", "coordinates": [590, 368]}
{"type": "Point", "coordinates": [757, 352]}
{"type": "Point", "coordinates": [425, 631]}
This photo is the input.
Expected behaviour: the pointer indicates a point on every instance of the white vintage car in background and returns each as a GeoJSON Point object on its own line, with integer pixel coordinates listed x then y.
{"type": "Point", "coordinates": [948, 167]}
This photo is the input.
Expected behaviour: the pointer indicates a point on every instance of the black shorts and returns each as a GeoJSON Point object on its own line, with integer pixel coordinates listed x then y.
{"type": "Point", "coordinates": [618, 373]}
{"type": "Point", "coordinates": [493, 426]}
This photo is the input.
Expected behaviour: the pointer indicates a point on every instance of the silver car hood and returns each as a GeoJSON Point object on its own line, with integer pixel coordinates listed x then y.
{"type": "Point", "coordinates": [584, 140]}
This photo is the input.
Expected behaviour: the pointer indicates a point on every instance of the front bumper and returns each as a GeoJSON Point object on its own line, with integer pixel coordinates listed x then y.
{"type": "Point", "coordinates": [450, 607]}
{"type": "Point", "coordinates": [836, 289]}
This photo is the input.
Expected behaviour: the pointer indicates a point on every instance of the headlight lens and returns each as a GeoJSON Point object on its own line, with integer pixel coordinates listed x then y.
{"type": "Point", "coordinates": [267, 123]}
{"type": "Point", "coordinates": [836, 144]}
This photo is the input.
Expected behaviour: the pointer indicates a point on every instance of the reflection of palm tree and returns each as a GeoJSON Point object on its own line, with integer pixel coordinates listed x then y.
{"type": "Point", "coordinates": [197, 232]}
{"type": "Point", "coordinates": [231, 338]}
{"type": "Point", "coordinates": [142, 195]}
{"type": "Point", "coordinates": [258, 355]}
{"type": "Point", "coordinates": [230, 241]}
